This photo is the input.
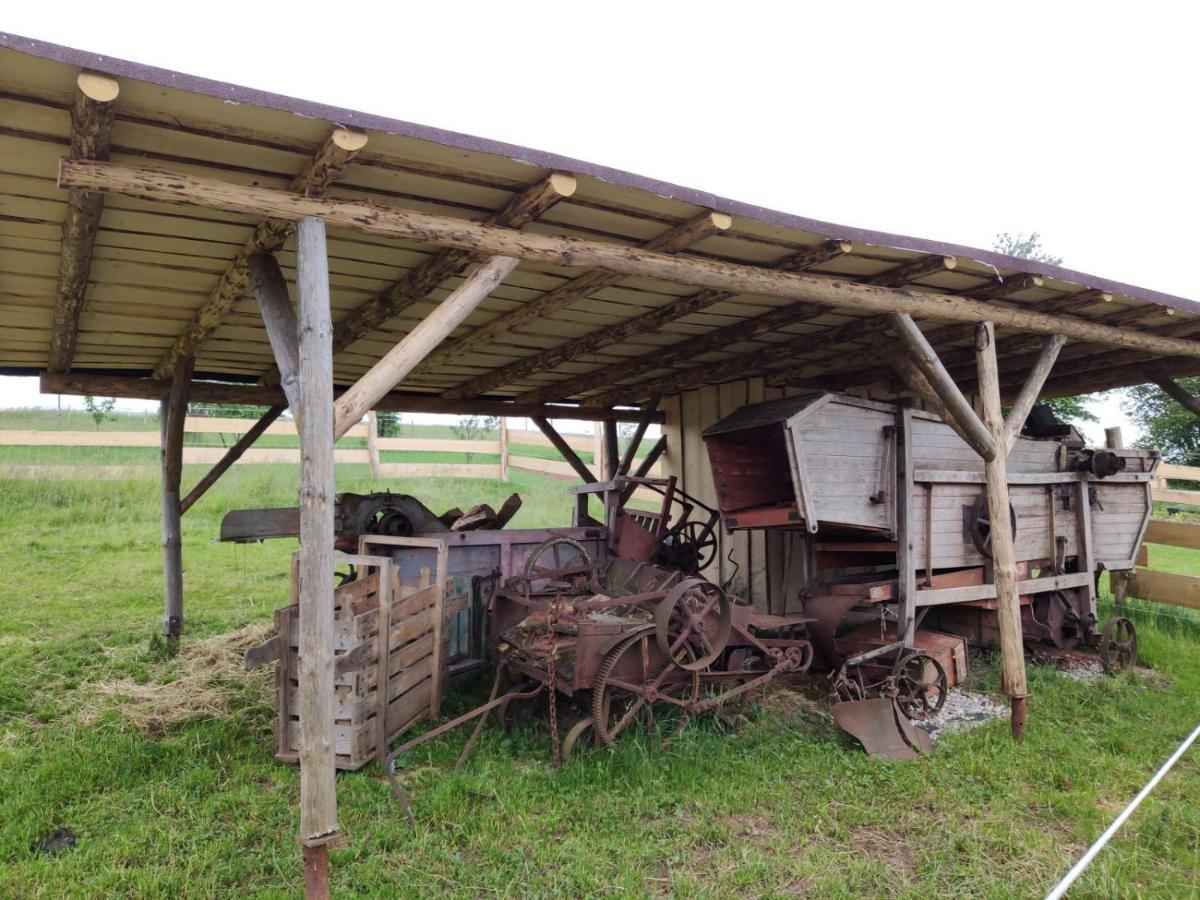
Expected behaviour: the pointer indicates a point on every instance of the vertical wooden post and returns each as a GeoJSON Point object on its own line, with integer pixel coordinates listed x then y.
{"type": "Point", "coordinates": [612, 450]}
{"type": "Point", "coordinates": [1008, 608]}
{"type": "Point", "coordinates": [906, 562]}
{"type": "Point", "coordinates": [503, 448]}
{"type": "Point", "coordinates": [598, 451]}
{"type": "Point", "coordinates": [373, 443]}
{"type": "Point", "coordinates": [173, 414]}
{"type": "Point", "coordinates": [1118, 581]}
{"type": "Point", "coordinates": [318, 789]}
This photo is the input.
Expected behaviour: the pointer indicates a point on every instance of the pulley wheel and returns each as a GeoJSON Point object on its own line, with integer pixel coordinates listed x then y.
{"type": "Point", "coordinates": [981, 525]}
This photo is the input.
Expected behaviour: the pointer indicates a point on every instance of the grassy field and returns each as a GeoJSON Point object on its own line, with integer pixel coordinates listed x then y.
{"type": "Point", "coordinates": [785, 807]}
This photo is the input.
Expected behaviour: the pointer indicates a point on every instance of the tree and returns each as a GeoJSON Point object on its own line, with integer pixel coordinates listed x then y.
{"type": "Point", "coordinates": [1029, 246]}
{"type": "Point", "coordinates": [388, 424]}
{"type": "Point", "coordinates": [1024, 246]}
{"type": "Point", "coordinates": [101, 410]}
{"type": "Point", "coordinates": [472, 428]}
{"type": "Point", "coordinates": [1164, 423]}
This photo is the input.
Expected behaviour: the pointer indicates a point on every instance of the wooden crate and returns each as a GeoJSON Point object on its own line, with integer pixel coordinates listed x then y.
{"type": "Point", "coordinates": [386, 679]}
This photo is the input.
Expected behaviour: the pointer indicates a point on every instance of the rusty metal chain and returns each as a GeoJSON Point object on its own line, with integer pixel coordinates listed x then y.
{"type": "Point", "coordinates": [554, 748]}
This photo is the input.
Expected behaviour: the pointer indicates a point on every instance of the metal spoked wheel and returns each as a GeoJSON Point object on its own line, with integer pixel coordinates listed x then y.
{"type": "Point", "coordinates": [981, 525]}
{"type": "Point", "coordinates": [921, 685]}
{"type": "Point", "coordinates": [551, 558]}
{"type": "Point", "coordinates": [627, 685]}
{"type": "Point", "coordinates": [1118, 645]}
{"type": "Point", "coordinates": [582, 731]}
{"type": "Point", "coordinates": [695, 614]}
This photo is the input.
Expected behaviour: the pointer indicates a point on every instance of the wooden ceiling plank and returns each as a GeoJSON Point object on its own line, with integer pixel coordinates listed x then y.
{"type": "Point", "coordinates": [630, 328]}
{"type": "Point", "coordinates": [672, 240]}
{"type": "Point", "coordinates": [326, 167]}
{"type": "Point", "coordinates": [656, 319]}
{"type": "Point", "coordinates": [91, 130]}
{"type": "Point", "coordinates": [527, 206]}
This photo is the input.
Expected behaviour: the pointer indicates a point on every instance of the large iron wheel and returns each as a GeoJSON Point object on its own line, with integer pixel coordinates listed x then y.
{"type": "Point", "coordinates": [558, 560]}
{"type": "Point", "coordinates": [981, 525]}
{"type": "Point", "coordinates": [921, 685]}
{"type": "Point", "coordinates": [695, 614]}
{"type": "Point", "coordinates": [618, 702]}
{"type": "Point", "coordinates": [1118, 645]}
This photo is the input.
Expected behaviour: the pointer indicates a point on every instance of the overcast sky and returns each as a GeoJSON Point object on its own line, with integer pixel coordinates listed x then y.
{"type": "Point", "coordinates": [951, 121]}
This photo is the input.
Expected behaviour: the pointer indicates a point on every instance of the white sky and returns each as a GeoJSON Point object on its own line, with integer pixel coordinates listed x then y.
{"type": "Point", "coordinates": [951, 121]}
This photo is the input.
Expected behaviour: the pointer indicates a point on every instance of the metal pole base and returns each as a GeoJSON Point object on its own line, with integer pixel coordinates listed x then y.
{"type": "Point", "coordinates": [316, 872]}
{"type": "Point", "coordinates": [1020, 712]}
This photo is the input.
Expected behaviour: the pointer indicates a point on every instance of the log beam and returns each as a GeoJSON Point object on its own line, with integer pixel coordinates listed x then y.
{"type": "Point", "coordinates": [173, 414]}
{"type": "Point", "coordinates": [279, 318]}
{"type": "Point", "coordinates": [402, 359]}
{"type": "Point", "coordinates": [326, 167]}
{"type": "Point", "coordinates": [1008, 608]}
{"type": "Point", "coordinates": [640, 432]}
{"type": "Point", "coordinates": [318, 788]}
{"type": "Point", "coordinates": [1031, 390]}
{"type": "Point", "coordinates": [369, 218]}
{"type": "Point", "coordinates": [564, 449]}
{"type": "Point", "coordinates": [926, 359]}
{"type": "Point", "coordinates": [91, 128]}
{"type": "Point", "coordinates": [80, 383]}
{"type": "Point", "coordinates": [530, 204]}
{"type": "Point", "coordinates": [232, 455]}
{"type": "Point", "coordinates": [914, 271]}
{"type": "Point", "coordinates": [673, 240]}
{"type": "Point", "coordinates": [1181, 396]}
{"type": "Point", "coordinates": [684, 351]}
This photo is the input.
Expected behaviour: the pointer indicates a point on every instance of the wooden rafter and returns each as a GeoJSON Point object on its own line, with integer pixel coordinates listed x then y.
{"type": "Point", "coordinates": [80, 383]}
{"type": "Point", "coordinates": [91, 127]}
{"type": "Point", "coordinates": [640, 432]}
{"type": "Point", "coordinates": [1014, 284]}
{"type": "Point", "coordinates": [416, 346]}
{"type": "Point", "coordinates": [648, 362]}
{"type": "Point", "coordinates": [913, 271]}
{"type": "Point", "coordinates": [530, 204]}
{"type": "Point", "coordinates": [326, 167]}
{"type": "Point", "coordinates": [232, 455]}
{"type": "Point", "coordinates": [1181, 396]}
{"type": "Point", "coordinates": [370, 218]}
{"type": "Point", "coordinates": [673, 240]}
{"type": "Point", "coordinates": [564, 449]}
{"type": "Point", "coordinates": [279, 317]}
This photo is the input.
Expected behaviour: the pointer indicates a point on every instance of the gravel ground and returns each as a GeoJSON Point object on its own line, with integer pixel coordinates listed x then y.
{"type": "Point", "coordinates": [963, 710]}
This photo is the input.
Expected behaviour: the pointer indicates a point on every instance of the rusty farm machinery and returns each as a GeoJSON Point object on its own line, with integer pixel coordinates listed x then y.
{"type": "Point", "coordinates": [617, 624]}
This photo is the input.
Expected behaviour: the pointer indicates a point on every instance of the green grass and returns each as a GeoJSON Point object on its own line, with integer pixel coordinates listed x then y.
{"type": "Point", "coordinates": [786, 806]}
{"type": "Point", "coordinates": [1180, 560]}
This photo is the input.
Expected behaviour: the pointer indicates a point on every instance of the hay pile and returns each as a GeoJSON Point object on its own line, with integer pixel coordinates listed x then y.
{"type": "Point", "coordinates": [196, 684]}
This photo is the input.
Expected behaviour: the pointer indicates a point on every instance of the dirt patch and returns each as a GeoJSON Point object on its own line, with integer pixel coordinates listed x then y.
{"type": "Point", "coordinates": [888, 849]}
{"type": "Point", "coordinates": [198, 683]}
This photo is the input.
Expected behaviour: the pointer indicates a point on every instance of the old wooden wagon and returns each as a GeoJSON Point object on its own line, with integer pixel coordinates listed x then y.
{"type": "Point", "coordinates": [156, 228]}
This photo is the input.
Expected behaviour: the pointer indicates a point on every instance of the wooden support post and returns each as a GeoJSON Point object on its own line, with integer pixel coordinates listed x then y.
{"type": "Point", "coordinates": [504, 448]}
{"type": "Point", "coordinates": [1008, 608]}
{"type": "Point", "coordinates": [318, 789]}
{"type": "Point", "coordinates": [173, 413]}
{"type": "Point", "coordinates": [1118, 580]}
{"type": "Point", "coordinates": [612, 451]}
{"type": "Point", "coordinates": [232, 455]}
{"type": "Point", "coordinates": [564, 449]}
{"type": "Point", "coordinates": [1177, 393]}
{"type": "Point", "coordinates": [1031, 390]}
{"type": "Point", "coordinates": [91, 128]}
{"type": "Point", "coordinates": [1113, 439]}
{"type": "Point", "coordinates": [648, 412]}
{"type": "Point", "coordinates": [906, 519]}
{"type": "Point", "coordinates": [926, 360]}
{"type": "Point", "coordinates": [420, 342]}
{"type": "Point", "coordinates": [279, 318]}
{"type": "Point", "coordinates": [646, 465]}
{"type": "Point", "coordinates": [373, 443]}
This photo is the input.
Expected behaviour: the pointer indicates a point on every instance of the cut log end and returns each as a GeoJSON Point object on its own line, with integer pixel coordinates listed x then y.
{"type": "Point", "coordinates": [99, 88]}
{"type": "Point", "coordinates": [348, 140]}
{"type": "Point", "coordinates": [564, 184]}
{"type": "Point", "coordinates": [720, 221]}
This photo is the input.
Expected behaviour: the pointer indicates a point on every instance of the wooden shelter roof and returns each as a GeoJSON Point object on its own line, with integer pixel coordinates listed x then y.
{"type": "Point", "coordinates": [607, 339]}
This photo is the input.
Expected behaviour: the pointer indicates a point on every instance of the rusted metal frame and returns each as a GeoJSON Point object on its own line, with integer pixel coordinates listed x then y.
{"type": "Point", "coordinates": [232, 455]}
{"type": "Point", "coordinates": [564, 449]}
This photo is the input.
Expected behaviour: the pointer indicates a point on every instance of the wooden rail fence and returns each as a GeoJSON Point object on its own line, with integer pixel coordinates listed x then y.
{"type": "Point", "coordinates": [1170, 588]}
{"type": "Point", "coordinates": [508, 449]}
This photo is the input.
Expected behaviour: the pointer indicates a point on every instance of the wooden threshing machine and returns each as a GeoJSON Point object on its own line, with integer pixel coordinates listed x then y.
{"type": "Point", "coordinates": [892, 503]}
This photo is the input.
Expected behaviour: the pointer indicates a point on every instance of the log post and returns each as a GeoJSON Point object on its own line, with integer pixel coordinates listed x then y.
{"type": "Point", "coordinates": [1118, 579]}
{"type": "Point", "coordinates": [232, 455]}
{"type": "Point", "coordinates": [373, 444]}
{"type": "Point", "coordinates": [173, 414]}
{"type": "Point", "coordinates": [564, 449]}
{"type": "Point", "coordinates": [504, 448]}
{"type": "Point", "coordinates": [1032, 389]}
{"type": "Point", "coordinates": [612, 451]}
{"type": "Point", "coordinates": [279, 318]}
{"type": "Point", "coordinates": [418, 343]}
{"type": "Point", "coordinates": [648, 412]}
{"type": "Point", "coordinates": [1179, 394]}
{"type": "Point", "coordinates": [1008, 608]}
{"type": "Point", "coordinates": [318, 790]}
